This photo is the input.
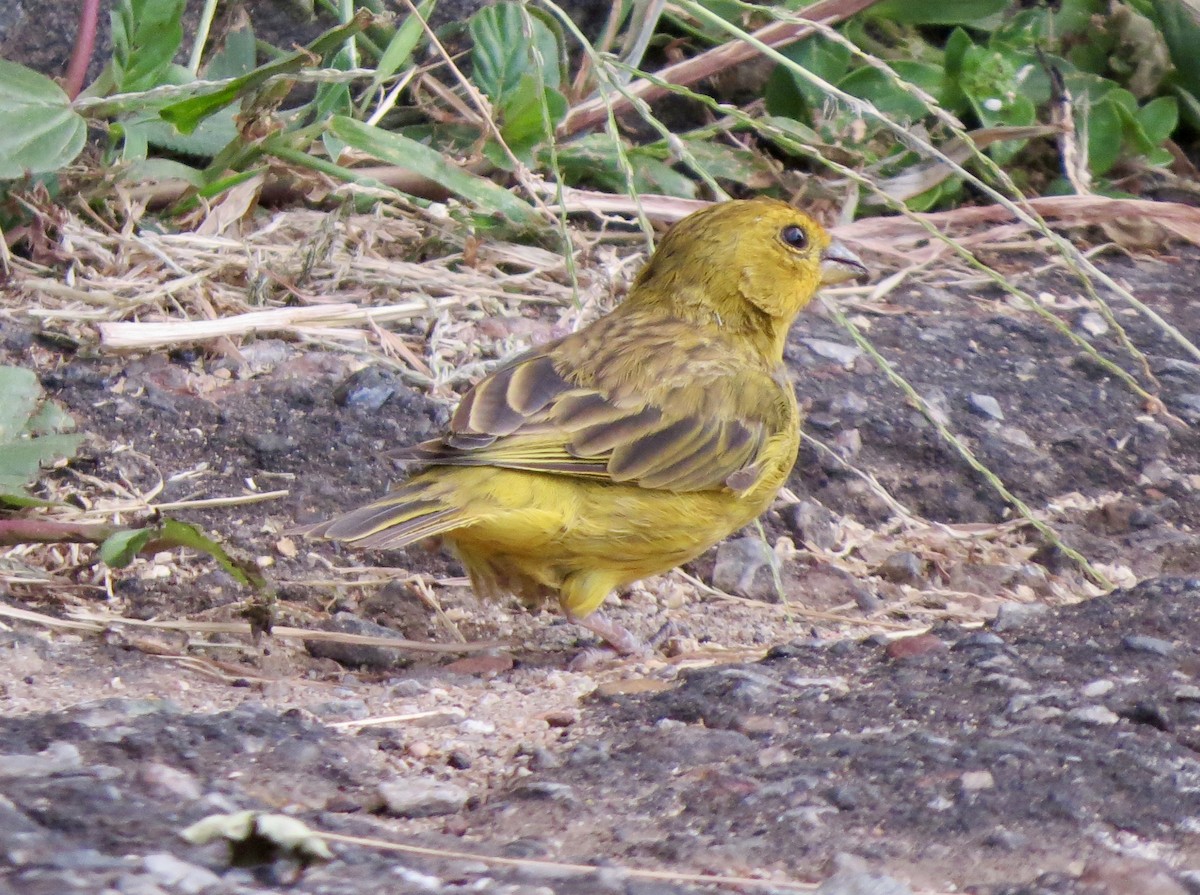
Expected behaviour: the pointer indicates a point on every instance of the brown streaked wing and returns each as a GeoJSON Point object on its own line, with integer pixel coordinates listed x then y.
{"type": "Point", "coordinates": [726, 449]}
{"type": "Point", "coordinates": [528, 416]}
{"type": "Point", "coordinates": [504, 401]}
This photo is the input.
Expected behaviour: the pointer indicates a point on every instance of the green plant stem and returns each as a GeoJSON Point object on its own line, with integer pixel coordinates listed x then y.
{"type": "Point", "coordinates": [345, 14]}
{"type": "Point", "coordinates": [279, 147]}
{"type": "Point", "coordinates": [202, 31]}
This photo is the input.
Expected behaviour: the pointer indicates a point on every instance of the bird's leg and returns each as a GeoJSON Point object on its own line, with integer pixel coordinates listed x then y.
{"type": "Point", "coordinates": [621, 640]}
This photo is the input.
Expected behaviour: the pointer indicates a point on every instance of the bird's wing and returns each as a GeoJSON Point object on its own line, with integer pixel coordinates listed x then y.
{"type": "Point", "coordinates": [528, 415]}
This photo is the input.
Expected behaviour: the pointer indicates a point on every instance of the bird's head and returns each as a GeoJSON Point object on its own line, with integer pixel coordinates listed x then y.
{"type": "Point", "coordinates": [746, 265]}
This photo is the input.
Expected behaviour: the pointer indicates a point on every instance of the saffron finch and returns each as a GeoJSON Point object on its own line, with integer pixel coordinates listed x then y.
{"type": "Point", "coordinates": [635, 444]}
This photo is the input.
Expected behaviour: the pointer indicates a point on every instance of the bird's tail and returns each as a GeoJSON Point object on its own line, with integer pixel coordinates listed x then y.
{"type": "Point", "coordinates": [410, 513]}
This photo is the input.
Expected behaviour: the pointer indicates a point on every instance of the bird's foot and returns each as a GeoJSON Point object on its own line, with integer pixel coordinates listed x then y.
{"type": "Point", "coordinates": [619, 640]}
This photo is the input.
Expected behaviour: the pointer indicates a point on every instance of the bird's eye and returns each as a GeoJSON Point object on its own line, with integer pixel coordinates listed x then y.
{"type": "Point", "coordinates": [794, 236]}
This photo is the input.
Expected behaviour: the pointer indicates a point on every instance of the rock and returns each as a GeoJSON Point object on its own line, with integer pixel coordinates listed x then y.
{"type": "Point", "coordinates": [1097, 688]}
{"type": "Point", "coordinates": [1092, 323]}
{"type": "Point", "coordinates": [849, 404]}
{"type": "Point", "coordinates": [1151, 439]}
{"type": "Point", "coordinates": [1011, 616]}
{"type": "Point", "coordinates": [902, 568]}
{"type": "Point", "coordinates": [747, 567]}
{"type": "Point", "coordinates": [1175, 368]}
{"type": "Point", "coordinates": [475, 727]}
{"type": "Point", "coordinates": [1093, 714]}
{"type": "Point", "coordinates": [938, 406]}
{"type": "Point", "coordinates": [57, 758]}
{"type": "Point", "coordinates": [848, 443]}
{"type": "Point", "coordinates": [973, 781]}
{"type": "Point", "coordinates": [357, 655]}
{"type": "Point", "coordinates": [1187, 406]}
{"type": "Point", "coordinates": [985, 405]}
{"type": "Point", "coordinates": [845, 355]}
{"type": "Point", "coordinates": [170, 781]}
{"type": "Point", "coordinates": [352, 709]}
{"type": "Point", "coordinates": [421, 798]}
{"type": "Point", "coordinates": [367, 389]}
{"type": "Point", "coordinates": [854, 878]}
{"type": "Point", "coordinates": [268, 443]}
{"type": "Point", "coordinates": [1129, 875]}
{"type": "Point", "coordinates": [1019, 438]}
{"type": "Point", "coordinates": [812, 524]}
{"type": "Point", "coordinates": [1140, 643]}
{"type": "Point", "coordinates": [181, 876]}
{"type": "Point", "coordinates": [910, 647]}
{"type": "Point", "coordinates": [545, 791]}
{"type": "Point", "coordinates": [419, 882]}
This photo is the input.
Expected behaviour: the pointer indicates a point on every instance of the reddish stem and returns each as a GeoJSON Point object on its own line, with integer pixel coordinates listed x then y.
{"type": "Point", "coordinates": [85, 43]}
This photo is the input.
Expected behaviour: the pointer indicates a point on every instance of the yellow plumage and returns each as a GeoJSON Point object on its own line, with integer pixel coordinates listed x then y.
{"type": "Point", "coordinates": [636, 443]}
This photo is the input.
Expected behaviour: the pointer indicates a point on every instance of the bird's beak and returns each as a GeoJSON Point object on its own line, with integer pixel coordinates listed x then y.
{"type": "Point", "coordinates": [839, 264]}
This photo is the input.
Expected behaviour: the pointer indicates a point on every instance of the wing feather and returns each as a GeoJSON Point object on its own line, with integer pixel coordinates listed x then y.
{"type": "Point", "coordinates": [531, 415]}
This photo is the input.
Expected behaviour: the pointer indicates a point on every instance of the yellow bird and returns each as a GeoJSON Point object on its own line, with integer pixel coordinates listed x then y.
{"type": "Point", "coordinates": [635, 444]}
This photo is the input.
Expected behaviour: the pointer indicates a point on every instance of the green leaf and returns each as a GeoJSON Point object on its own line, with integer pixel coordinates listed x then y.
{"type": "Point", "coordinates": [119, 548]}
{"type": "Point", "coordinates": [21, 392]}
{"type": "Point", "coordinates": [399, 150]}
{"type": "Point", "coordinates": [146, 36]}
{"type": "Point", "coordinates": [1189, 106]}
{"type": "Point", "coordinates": [822, 57]}
{"type": "Point", "coordinates": [1075, 15]}
{"type": "Point", "coordinates": [503, 53]}
{"type": "Point", "coordinates": [938, 12]}
{"type": "Point", "coordinates": [334, 99]}
{"type": "Point", "coordinates": [1158, 120]}
{"type": "Point", "coordinates": [1181, 31]}
{"type": "Point", "coordinates": [163, 169]}
{"type": "Point", "coordinates": [400, 48]}
{"type": "Point", "coordinates": [891, 99]}
{"type": "Point", "coordinates": [187, 114]}
{"type": "Point", "coordinates": [237, 56]}
{"type": "Point", "coordinates": [530, 114]}
{"type": "Point", "coordinates": [180, 534]}
{"type": "Point", "coordinates": [728, 163]}
{"type": "Point", "coordinates": [32, 431]}
{"type": "Point", "coordinates": [39, 131]}
{"type": "Point", "coordinates": [1105, 129]}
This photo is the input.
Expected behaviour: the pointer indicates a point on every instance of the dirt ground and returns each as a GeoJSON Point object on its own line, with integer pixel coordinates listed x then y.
{"type": "Point", "coordinates": [788, 734]}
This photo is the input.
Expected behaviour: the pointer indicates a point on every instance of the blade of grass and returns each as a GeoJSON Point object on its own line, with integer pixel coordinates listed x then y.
{"type": "Point", "coordinates": [399, 150]}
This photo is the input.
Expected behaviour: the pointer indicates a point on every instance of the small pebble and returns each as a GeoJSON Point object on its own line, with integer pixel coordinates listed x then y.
{"type": "Point", "coordinates": [421, 798]}
{"type": "Point", "coordinates": [1092, 323]}
{"type": "Point", "coordinates": [1098, 688]}
{"type": "Point", "coordinates": [909, 647]}
{"type": "Point", "coordinates": [1011, 616]}
{"type": "Point", "coordinates": [972, 781]}
{"type": "Point", "coordinates": [902, 568]}
{"type": "Point", "coordinates": [1140, 643]}
{"type": "Point", "coordinates": [1093, 714]}
{"type": "Point", "coordinates": [845, 355]}
{"type": "Point", "coordinates": [985, 405]}
{"type": "Point", "coordinates": [746, 567]}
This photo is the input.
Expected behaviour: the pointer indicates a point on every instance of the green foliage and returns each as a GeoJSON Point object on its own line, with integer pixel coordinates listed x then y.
{"type": "Point", "coordinates": [33, 431]}
{"type": "Point", "coordinates": [1129, 73]}
{"type": "Point", "coordinates": [146, 35]}
{"type": "Point", "coordinates": [519, 63]}
{"type": "Point", "coordinates": [39, 131]}
{"type": "Point", "coordinates": [121, 547]}
{"type": "Point", "coordinates": [1130, 68]}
